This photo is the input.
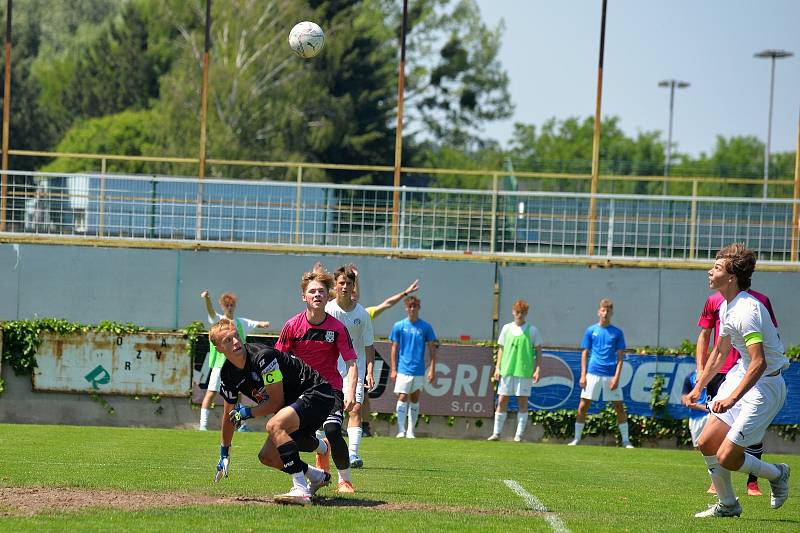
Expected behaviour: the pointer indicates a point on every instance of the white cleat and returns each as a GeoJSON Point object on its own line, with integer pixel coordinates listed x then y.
{"type": "Point", "coordinates": [494, 437]}
{"type": "Point", "coordinates": [780, 487]}
{"type": "Point", "coordinates": [517, 438]}
{"type": "Point", "coordinates": [410, 435]}
{"type": "Point", "coordinates": [296, 496]}
{"type": "Point", "coordinates": [627, 445]}
{"type": "Point", "coordinates": [721, 510]}
{"type": "Point", "coordinates": [356, 461]}
{"type": "Point", "coordinates": [401, 435]}
{"type": "Point", "coordinates": [574, 442]}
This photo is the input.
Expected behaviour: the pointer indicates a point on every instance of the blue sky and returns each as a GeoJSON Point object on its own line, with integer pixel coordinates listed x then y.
{"type": "Point", "coordinates": [550, 51]}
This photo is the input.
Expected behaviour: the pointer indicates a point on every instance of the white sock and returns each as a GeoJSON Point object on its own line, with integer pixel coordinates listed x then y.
{"type": "Point", "coordinates": [354, 438]}
{"type": "Point", "coordinates": [299, 480]}
{"type": "Point", "coordinates": [413, 414]}
{"type": "Point", "coordinates": [623, 431]}
{"type": "Point", "coordinates": [322, 448]}
{"type": "Point", "coordinates": [344, 475]}
{"type": "Point", "coordinates": [499, 422]}
{"type": "Point", "coordinates": [522, 421]}
{"type": "Point", "coordinates": [579, 430]}
{"type": "Point", "coordinates": [760, 468]}
{"type": "Point", "coordinates": [721, 479]}
{"type": "Point", "coordinates": [204, 417]}
{"type": "Point", "coordinates": [314, 473]}
{"type": "Point", "coordinates": [402, 412]}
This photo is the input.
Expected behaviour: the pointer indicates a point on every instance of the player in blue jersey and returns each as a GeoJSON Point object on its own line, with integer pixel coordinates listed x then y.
{"type": "Point", "coordinates": [409, 338]}
{"type": "Point", "coordinates": [602, 346]}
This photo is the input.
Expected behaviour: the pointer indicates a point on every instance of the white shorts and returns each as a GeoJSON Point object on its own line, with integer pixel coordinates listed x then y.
{"type": "Point", "coordinates": [596, 384]}
{"type": "Point", "coordinates": [215, 379]}
{"type": "Point", "coordinates": [405, 384]}
{"type": "Point", "coordinates": [359, 388]}
{"type": "Point", "coordinates": [514, 386]}
{"type": "Point", "coordinates": [696, 426]}
{"type": "Point", "coordinates": [750, 417]}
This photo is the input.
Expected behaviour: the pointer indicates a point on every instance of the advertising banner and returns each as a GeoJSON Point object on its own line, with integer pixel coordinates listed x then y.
{"type": "Point", "coordinates": [463, 383]}
{"type": "Point", "coordinates": [558, 388]}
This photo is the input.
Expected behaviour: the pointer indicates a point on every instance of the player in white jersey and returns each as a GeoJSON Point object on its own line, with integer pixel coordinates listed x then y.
{"type": "Point", "coordinates": [359, 325]}
{"type": "Point", "coordinates": [754, 391]}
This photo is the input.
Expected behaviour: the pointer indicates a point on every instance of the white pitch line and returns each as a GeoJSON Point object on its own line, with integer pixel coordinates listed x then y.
{"type": "Point", "coordinates": [536, 505]}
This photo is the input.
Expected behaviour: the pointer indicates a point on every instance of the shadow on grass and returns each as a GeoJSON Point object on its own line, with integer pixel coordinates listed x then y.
{"type": "Point", "coordinates": [347, 502]}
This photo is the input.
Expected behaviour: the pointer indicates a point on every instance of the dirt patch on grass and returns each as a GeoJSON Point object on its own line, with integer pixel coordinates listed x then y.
{"type": "Point", "coordinates": [29, 501]}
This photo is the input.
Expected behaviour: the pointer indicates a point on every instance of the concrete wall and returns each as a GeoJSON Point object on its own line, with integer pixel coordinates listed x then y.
{"type": "Point", "coordinates": [161, 289]}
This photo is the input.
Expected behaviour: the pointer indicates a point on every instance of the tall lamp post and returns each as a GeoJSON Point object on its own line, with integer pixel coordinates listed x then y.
{"type": "Point", "coordinates": [773, 55]}
{"type": "Point", "coordinates": [672, 84]}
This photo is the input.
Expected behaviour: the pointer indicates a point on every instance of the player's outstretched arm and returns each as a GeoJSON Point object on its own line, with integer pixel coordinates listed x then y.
{"type": "Point", "coordinates": [212, 314]}
{"type": "Point", "coordinates": [392, 300]}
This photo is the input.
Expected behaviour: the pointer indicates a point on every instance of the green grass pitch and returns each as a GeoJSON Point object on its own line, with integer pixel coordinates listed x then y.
{"type": "Point", "coordinates": [161, 480]}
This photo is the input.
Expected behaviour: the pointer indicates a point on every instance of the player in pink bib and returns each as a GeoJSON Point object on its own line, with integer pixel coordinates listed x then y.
{"type": "Point", "coordinates": [318, 339]}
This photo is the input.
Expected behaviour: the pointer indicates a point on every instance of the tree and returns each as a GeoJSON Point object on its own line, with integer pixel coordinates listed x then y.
{"type": "Point", "coordinates": [128, 133]}
{"type": "Point", "coordinates": [107, 68]}
{"type": "Point", "coordinates": [565, 146]}
{"type": "Point", "coordinates": [454, 81]}
{"type": "Point", "coordinates": [737, 157]}
{"type": "Point", "coordinates": [359, 68]}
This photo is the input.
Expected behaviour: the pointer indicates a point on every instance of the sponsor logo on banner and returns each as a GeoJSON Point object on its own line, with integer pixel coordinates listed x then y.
{"type": "Point", "coordinates": [462, 385]}
{"type": "Point", "coordinates": [556, 383]}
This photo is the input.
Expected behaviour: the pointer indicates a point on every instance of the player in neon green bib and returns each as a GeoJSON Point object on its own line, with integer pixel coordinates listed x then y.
{"type": "Point", "coordinates": [216, 359]}
{"type": "Point", "coordinates": [518, 364]}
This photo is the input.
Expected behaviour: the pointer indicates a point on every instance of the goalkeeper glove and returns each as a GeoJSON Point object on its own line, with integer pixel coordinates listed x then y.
{"type": "Point", "coordinates": [239, 414]}
{"type": "Point", "coordinates": [224, 463]}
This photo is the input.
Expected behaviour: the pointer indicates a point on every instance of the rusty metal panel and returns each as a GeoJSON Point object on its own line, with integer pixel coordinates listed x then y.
{"type": "Point", "coordinates": [102, 362]}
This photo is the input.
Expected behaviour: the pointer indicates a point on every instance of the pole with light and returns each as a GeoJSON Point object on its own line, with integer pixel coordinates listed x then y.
{"type": "Point", "coordinates": [672, 84]}
{"type": "Point", "coordinates": [773, 55]}
{"type": "Point", "coordinates": [398, 138]}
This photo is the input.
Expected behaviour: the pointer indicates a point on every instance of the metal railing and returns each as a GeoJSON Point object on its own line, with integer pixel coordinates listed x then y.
{"type": "Point", "coordinates": [457, 222]}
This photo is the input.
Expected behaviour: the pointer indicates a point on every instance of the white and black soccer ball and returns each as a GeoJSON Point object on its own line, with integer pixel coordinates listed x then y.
{"type": "Point", "coordinates": [306, 39]}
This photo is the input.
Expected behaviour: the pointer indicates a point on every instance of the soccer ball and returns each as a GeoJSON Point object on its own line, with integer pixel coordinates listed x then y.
{"type": "Point", "coordinates": [306, 39]}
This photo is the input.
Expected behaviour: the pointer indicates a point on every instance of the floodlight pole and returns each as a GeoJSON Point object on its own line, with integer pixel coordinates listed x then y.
{"type": "Point", "coordinates": [772, 55]}
{"type": "Point", "coordinates": [671, 84]}
{"type": "Point", "coordinates": [596, 138]}
{"type": "Point", "coordinates": [796, 195]}
{"type": "Point", "coordinates": [398, 137]}
{"type": "Point", "coordinates": [6, 118]}
{"type": "Point", "coordinates": [198, 230]}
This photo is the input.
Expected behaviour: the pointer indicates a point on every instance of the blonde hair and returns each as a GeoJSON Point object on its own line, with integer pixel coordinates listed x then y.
{"type": "Point", "coordinates": [607, 302]}
{"type": "Point", "coordinates": [321, 276]}
{"type": "Point", "coordinates": [221, 329]}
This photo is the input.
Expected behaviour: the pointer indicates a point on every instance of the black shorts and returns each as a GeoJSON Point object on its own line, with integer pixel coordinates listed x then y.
{"type": "Point", "coordinates": [312, 408]}
{"type": "Point", "coordinates": [336, 414]}
{"type": "Point", "coordinates": [713, 386]}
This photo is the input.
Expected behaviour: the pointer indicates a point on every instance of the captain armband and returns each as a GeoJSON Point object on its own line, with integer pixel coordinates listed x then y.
{"type": "Point", "coordinates": [273, 376]}
{"type": "Point", "coordinates": [753, 338]}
